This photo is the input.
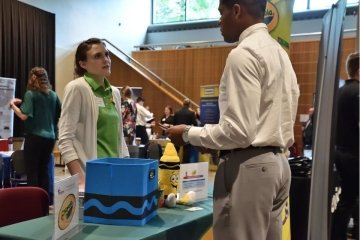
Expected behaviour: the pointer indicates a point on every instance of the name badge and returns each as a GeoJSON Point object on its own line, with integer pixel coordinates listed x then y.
{"type": "Point", "coordinates": [100, 102]}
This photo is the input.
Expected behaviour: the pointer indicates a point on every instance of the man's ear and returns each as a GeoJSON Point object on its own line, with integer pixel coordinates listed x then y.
{"type": "Point", "coordinates": [82, 64]}
{"type": "Point", "coordinates": [238, 10]}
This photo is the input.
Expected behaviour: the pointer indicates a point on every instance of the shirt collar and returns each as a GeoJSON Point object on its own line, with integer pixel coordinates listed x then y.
{"type": "Point", "coordinates": [94, 84]}
{"type": "Point", "coordinates": [251, 29]}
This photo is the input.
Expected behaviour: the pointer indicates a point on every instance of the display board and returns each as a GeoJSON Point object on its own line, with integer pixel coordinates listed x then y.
{"type": "Point", "coordinates": [7, 92]}
{"type": "Point", "coordinates": [324, 115]}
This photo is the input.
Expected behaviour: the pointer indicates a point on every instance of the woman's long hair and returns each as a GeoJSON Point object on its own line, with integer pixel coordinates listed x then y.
{"type": "Point", "coordinates": [126, 92]}
{"type": "Point", "coordinates": [38, 80]}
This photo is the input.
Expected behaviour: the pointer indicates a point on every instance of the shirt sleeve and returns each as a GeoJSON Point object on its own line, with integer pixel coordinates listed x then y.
{"type": "Point", "coordinates": [144, 112]}
{"type": "Point", "coordinates": [27, 106]}
{"type": "Point", "coordinates": [69, 119]}
{"type": "Point", "coordinates": [239, 103]}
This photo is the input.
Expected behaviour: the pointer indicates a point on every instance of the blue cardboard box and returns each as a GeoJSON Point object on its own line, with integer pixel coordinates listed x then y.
{"type": "Point", "coordinates": [121, 191]}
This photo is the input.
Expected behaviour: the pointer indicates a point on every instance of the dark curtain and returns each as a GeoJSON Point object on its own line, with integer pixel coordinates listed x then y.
{"type": "Point", "coordinates": [27, 39]}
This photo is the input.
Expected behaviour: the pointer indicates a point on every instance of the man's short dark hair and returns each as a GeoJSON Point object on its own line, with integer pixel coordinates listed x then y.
{"type": "Point", "coordinates": [255, 7]}
{"type": "Point", "coordinates": [352, 64]}
{"type": "Point", "coordinates": [140, 99]}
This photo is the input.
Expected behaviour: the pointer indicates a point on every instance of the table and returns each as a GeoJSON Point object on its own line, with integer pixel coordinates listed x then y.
{"type": "Point", "coordinates": [170, 223]}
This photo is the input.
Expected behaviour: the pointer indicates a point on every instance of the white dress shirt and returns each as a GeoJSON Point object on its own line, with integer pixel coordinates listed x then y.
{"type": "Point", "coordinates": [258, 97]}
{"type": "Point", "coordinates": [141, 114]}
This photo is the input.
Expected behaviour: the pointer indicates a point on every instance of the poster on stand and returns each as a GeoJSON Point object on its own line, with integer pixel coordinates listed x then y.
{"type": "Point", "coordinates": [7, 92]}
{"type": "Point", "coordinates": [66, 205]}
{"type": "Point", "coordinates": [194, 177]}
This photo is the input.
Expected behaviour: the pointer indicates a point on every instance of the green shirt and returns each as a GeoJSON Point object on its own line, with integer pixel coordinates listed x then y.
{"type": "Point", "coordinates": [108, 119]}
{"type": "Point", "coordinates": [43, 112]}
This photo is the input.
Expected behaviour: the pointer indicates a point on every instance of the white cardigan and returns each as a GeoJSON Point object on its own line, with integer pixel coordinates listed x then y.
{"type": "Point", "coordinates": [78, 123]}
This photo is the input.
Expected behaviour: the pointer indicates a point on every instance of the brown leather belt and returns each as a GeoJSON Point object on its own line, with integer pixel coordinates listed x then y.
{"type": "Point", "coordinates": [264, 149]}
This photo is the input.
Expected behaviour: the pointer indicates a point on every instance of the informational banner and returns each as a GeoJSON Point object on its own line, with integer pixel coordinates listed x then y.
{"type": "Point", "coordinates": [278, 17]}
{"type": "Point", "coordinates": [7, 92]}
{"type": "Point", "coordinates": [209, 104]}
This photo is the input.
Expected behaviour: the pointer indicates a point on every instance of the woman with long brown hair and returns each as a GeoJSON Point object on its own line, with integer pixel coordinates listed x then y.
{"type": "Point", "coordinates": [40, 110]}
{"type": "Point", "coordinates": [90, 125]}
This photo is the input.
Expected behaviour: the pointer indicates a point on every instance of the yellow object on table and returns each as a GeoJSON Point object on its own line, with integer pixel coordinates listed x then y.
{"type": "Point", "coordinates": [169, 167]}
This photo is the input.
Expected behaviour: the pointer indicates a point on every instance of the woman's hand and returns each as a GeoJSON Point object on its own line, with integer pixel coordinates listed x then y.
{"type": "Point", "coordinates": [15, 101]}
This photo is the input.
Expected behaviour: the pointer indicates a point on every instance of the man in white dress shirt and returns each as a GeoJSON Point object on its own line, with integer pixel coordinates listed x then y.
{"type": "Point", "coordinates": [258, 103]}
{"type": "Point", "coordinates": [141, 118]}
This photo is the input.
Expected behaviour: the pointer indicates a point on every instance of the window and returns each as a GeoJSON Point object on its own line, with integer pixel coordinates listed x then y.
{"type": "Point", "coordinates": [326, 4]}
{"type": "Point", "coordinates": [175, 11]}
{"type": "Point", "coordinates": [170, 11]}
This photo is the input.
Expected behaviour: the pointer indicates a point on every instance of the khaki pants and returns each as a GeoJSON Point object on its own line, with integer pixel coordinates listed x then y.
{"type": "Point", "coordinates": [251, 187]}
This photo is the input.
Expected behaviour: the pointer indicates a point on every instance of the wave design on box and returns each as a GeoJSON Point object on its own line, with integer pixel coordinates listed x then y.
{"type": "Point", "coordinates": [120, 205]}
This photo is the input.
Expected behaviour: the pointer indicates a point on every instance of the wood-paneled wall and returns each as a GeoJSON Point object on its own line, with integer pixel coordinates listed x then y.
{"type": "Point", "coordinates": [188, 69]}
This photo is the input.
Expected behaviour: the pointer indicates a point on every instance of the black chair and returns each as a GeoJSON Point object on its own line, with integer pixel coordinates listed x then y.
{"type": "Point", "coordinates": [18, 169]}
{"type": "Point", "coordinates": [153, 150]}
{"type": "Point", "coordinates": [133, 151]}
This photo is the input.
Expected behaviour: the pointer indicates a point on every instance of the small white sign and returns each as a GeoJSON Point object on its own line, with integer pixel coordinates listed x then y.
{"type": "Point", "coordinates": [194, 177]}
{"type": "Point", "coordinates": [193, 209]}
{"type": "Point", "coordinates": [66, 205]}
{"type": "Point", "coordinates": [304, 118]}
{"type": "Point", "coordinates": [7, 92]}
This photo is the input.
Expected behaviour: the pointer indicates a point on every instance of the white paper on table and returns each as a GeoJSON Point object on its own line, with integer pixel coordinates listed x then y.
{"type": "Point", "coordinates": [6, 153]}
{"type": "Point", "coordinates": [194, 177]}
{"type": "Point", "coordinates": [66, 205]}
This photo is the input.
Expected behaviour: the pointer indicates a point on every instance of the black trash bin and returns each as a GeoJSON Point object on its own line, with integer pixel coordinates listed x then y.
{"type": "Point", "coordinates": [299, 196]}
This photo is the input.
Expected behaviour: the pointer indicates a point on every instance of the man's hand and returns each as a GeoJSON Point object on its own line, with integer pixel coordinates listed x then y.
{"type": "Point", "coordinates": [175, 134]}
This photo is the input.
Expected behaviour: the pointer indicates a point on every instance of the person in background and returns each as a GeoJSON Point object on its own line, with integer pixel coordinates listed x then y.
{"type": "Point", "coordinates": [307, 137]}
{"type": "Point", "coordinates": [167, 120]}
{"type": "Point", "coordinates": [258, 99]}
{"type": "Point", "coordinates": [187, 116]}
{"type": "Point", "coordinates": [347, 149]}
{"type": "Point", "coordinates": [150, 125]}
{"type": "Point", "coordinates": [40, 110]}
{"type": "Point", "coordinates": [128, 110]}
{"type": "Point", "coordinates": [90, 125]}
{"type": "Point", "coordinates": [142, 116]}
{"type": "Point", "coordinates": [308, 130]}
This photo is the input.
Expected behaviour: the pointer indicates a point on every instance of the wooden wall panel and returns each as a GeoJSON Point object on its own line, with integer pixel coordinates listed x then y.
{"type": "Point", "coordinates": [188, 69]}
{"type": "Point", "coordinates": [122, 75]}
